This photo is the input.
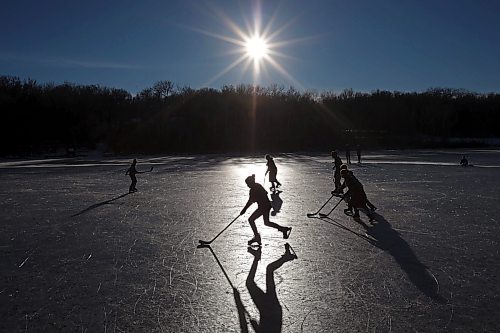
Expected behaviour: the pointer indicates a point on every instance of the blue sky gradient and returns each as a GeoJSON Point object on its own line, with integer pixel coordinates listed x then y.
{"type": "Point", "coordinates": [364, 45]}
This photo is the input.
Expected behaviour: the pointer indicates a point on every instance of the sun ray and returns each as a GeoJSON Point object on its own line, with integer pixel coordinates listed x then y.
{"type": "Point", "coordinates": [230, 23]}
{"type": "Point", "coordinates": [220, 37]}
{"type": "Point", "coordinates": [257, 44]}
{"type": "Point", "coordinates": [283, 72]}
{"type": "Point", "coordinates": [227, 69]}
{"type": "Point", "coordinates": [293, 41]}
{"type": "Point", "coordinates": [281, 55]}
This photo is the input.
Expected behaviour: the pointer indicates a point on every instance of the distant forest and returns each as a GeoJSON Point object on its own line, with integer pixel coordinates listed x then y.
{"type": "Point", "coordinates": [165, 118]}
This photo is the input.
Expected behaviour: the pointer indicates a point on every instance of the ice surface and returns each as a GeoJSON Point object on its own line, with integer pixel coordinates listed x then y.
{"type": "Point", "coordinates": [79, 255]}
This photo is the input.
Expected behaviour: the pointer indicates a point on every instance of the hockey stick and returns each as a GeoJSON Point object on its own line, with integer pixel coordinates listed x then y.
{"type": "Point", "coordinates": [202, 242]}
{"type": "Point", "coordinates": [146, 171]}
{"type": "Point", "coordinates": [338, 203]}
{"type": "Point", "coordinates": [312, 214]}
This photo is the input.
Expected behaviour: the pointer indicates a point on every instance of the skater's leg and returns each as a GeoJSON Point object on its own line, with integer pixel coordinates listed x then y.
{"type": "Point", "coordinates": [368, 213]}
{"type": "Point", "coordinates": [268, 223]}
{"type": "Point", "coordinates": [370, 205]}
{"type": "Point", "coordinates": [132, 185]}
{"type": "Point", "coordinates": [134, 182]}
{"type": "Point", "coordinates": [349, 208]}
{"type": "Point", "coordinates": [251, 220]}
{"type": "Point", "coordinates": [255, 215]}
{"type": "Point", "coordinates": [337, 181]}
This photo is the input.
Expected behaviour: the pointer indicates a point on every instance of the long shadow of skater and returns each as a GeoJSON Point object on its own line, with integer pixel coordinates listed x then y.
{"type": "Point", "coordinates": [99, 204]}
{"type": "Point", "coordinates": [389, 240]}
{"type": "Point", "coordinates": [236, 294]}
{"type": "Point", "coordinates": [276, 202]}
{"type": "Point", "coordinates": [267, 302]}
{"type": "Point", "coordinates": [331, 221]}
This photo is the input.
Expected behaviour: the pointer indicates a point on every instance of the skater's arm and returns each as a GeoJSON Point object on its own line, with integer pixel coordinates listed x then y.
{"type": "Point", "coordinates": [246, 206]}
{"type": "Point", "coordinates": [128, 171]}
{"type": "Point", "coordinates": [342, 187]}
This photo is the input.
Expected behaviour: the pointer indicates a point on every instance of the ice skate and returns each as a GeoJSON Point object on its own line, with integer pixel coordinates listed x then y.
{"type": "Point", "coordinates": [286, 232]}
{"type": "Point", "coordinates": [255, 239]}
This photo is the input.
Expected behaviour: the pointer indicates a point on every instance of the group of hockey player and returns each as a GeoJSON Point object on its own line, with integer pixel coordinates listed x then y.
{"type": "Point", "coordinates": [355, 196]}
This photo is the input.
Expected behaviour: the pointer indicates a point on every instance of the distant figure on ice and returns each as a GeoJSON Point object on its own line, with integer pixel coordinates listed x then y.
{"type": "Point", "coordinates": [356, 194]}
{"type": "Point", "coordinates": [464, 162]}
{"type": "Point", "coordinates": [337, 162]}
{"type": "Point", "coordinates": [273, 171]}
{"type": "Point", "coordinates": [358, 152]}
{"type": "Point", "coordinates": [132, 171]}
{"type": "Point", "coordinates": [259, 195]}
{"type": "Point", "coordinates": [347, 154]}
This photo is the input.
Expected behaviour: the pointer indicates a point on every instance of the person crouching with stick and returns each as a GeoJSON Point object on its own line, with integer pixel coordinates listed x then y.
{"type": "Point", "coordinates": [356, 194]}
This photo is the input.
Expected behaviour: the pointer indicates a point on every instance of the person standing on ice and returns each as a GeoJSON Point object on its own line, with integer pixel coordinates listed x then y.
{"type": "Point", "coordinates": [132, 171]}
{"type": "Point", "coordinates": [358, 152]}
{"type": "Point", "coordinates": [464, 162]}
{"type": "Point", "coordinates": [337, 162]}
{"type": "Point", "coordinates": [273, 171]}
{"type": "Point", "coordinates": [259, 195]}
{"type": "Point", "coordinates": [347, 154]}
{"type": "Point", "coordinates": [356, 193]}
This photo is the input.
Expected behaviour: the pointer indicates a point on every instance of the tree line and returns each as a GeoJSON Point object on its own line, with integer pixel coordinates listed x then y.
{"type": "Point", "coordinates": [166, 118]}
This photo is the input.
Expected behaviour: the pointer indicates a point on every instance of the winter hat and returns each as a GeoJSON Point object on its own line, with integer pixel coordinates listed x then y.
{"type": "Point", "coordinates": [250, 180]}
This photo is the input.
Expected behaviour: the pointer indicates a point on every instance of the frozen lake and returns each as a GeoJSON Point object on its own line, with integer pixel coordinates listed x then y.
{"type": "Point", "coordinates": [80, 254]}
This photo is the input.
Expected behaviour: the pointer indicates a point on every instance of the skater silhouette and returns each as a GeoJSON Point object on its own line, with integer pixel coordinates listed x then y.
{"type": "Point", "coordinates": [273, 171]}
{"type": "Point", "coordinates": [358, 152]}
{"type": "Point", "coordinates": [337, 162]}
{"type": "Point", "coordinates": [464, 162]}
{"type": "Point", "coordinates": [132, 171]}
{"type": "Point", "coordinates": [347, 196]}
{"type": "Point", "coordinates": [348, 154]}
{"type": "Point", "coordinates": [270, 310]}
{"type": "Point", "coordinates": [356, 195]}
{"type": "Point", "coordinates": [259, 195]}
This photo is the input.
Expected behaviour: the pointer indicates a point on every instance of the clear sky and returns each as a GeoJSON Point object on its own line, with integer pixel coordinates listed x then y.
{"type": "Point", "coordinates": [313, 44]}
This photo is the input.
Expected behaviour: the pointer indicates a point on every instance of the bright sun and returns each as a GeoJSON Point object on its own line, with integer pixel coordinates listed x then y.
{"type": "Point", "coordinates": [256, 48]}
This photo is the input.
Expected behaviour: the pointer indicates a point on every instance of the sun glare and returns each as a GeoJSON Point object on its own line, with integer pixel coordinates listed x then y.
{"type": "Point", "coordinates": [256, 48]}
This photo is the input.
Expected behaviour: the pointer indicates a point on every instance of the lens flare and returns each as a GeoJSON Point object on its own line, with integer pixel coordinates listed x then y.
{"type": "Point", "coordinates": [256, 48]}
